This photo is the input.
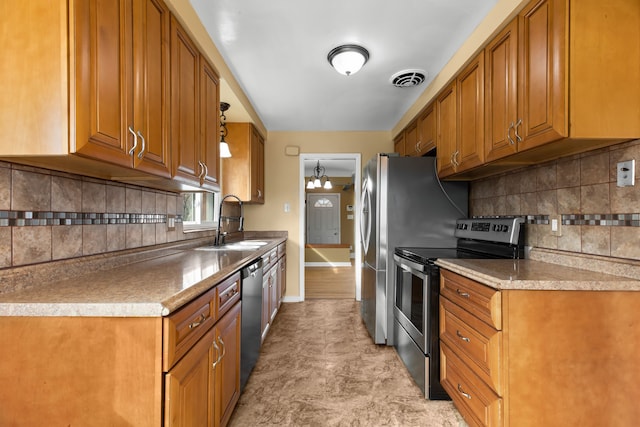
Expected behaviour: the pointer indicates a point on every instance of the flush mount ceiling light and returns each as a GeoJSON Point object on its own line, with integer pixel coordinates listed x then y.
{"type": "Point", "coordinates": [348, 59]}
{"type": "Point", "coordinates": [319, 175]}
{"type": "Point", "coordinates": [224, 147]}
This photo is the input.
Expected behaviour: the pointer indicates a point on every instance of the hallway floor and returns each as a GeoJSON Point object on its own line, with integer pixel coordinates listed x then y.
{"type": "Point", "coordinates": [318, 367]}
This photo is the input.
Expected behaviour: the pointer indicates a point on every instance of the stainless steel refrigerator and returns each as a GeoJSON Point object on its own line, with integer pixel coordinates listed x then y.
{"type": "Point", "coordinates": [403, 204]}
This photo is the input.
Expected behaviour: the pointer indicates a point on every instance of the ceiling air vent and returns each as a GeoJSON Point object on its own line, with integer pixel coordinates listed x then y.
{"type": "Point", "coordinates": [408, 78]}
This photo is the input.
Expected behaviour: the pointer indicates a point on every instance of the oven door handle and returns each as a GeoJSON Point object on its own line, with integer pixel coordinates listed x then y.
{"type": "Point", "coordinates": [410, 266]}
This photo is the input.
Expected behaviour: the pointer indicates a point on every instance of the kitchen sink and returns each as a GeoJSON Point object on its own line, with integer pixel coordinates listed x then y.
{"type": "Point", "coordinates": [243, 245]}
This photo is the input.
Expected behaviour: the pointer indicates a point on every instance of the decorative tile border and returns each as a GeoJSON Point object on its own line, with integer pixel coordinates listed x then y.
{"type": "Point", "coordinates": [28, 218]}
{"type": "Point", "coordinates": [616, 220]}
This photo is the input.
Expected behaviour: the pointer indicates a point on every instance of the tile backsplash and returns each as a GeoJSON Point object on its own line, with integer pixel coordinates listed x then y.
{"type": "Point", "coordinates": [597, 216]}
{"type": "Point", "coordinates": [47, 215]}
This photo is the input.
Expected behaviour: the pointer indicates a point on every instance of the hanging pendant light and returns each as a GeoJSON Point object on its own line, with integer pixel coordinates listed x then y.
{"type": "Point", "coordinates": [348, 59]}
{"type": "Point", "coordinates": [224, 147]}
{"type": "Point", "coordinates": [319, 179]}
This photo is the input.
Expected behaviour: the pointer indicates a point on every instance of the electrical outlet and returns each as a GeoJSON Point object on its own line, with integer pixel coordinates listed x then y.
{"type": "Point", "coordinates": [556, 225]}
{"type": "Point", "coordinates": [626, 173]}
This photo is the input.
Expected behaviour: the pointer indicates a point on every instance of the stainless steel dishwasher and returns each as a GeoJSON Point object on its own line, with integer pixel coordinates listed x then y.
{"type": "Point", "coordinates": [251, 319]}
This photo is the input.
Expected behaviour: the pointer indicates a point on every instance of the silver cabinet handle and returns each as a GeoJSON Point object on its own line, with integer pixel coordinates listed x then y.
{"type": "Point", "coordinates": [418, 146]}
{"type": "Point", "coordinates": [135, 141]}
{"type": "Point", "coordinates": [201, 174]}
{"type": "Point", "coordinates": [213, 365]}
{"type": "Point", "coordinates": [467, 395]}
{"type": "Point", "coordinates": [141, 153]}
{"type": "Point", "coordinates": [455, 158]}
{"type": "Point", "coordinates": [259, 193]}
{"type": "Point", "coordinates": [462, 337]}
{"type": "Point", "coordinates": [511, 141]}
{"type": "Point", "coordinates": [206, 170]}
{"type": "Point", "coordinates": [198, 322]}
{"type": "Point", "coordinates": [463, 294]}
{"type": "Point", "coordinates": [515, 128]}
{"type": "Point", "coordinates": [223, 347]}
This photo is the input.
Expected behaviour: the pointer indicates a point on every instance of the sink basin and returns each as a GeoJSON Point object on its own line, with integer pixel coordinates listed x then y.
{"type": "Point", "coordinates": [250, 243]}
{"type": "Point", "coordinates": [244, 245]}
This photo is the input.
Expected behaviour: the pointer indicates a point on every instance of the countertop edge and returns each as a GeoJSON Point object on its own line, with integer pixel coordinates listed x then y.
{"type": "Point", "coordinates": [500, 281]}
{"type": "Point", "coordinates": [153, 308]}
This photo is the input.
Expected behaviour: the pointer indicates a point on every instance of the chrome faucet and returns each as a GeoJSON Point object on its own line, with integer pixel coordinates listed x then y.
{"type": "Point", "coordinates": [220, 236]}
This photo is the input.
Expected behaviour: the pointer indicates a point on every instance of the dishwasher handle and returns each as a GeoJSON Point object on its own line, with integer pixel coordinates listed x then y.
{"type": "Point", "coordinates": [251, 270]}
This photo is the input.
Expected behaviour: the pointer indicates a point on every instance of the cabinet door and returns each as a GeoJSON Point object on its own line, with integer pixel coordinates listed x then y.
{"type": "Point", "coordinates": [399, 145]}
{"type": "Point", "coordinates": [151, 79]}
{"type": "Point", "coordinates": [470, 115]}
{"type": "Point", "coordinates": [189, 386]}
{"type": "Point", "coordinates": [501, 96]}
{"type": "Point", "coordinates": [265, 304]}
{"type": "Point", "coordinates": [282, 279]}
{"type": "Point", "coordinates": [411, 139]}
{"type": "Point", "coordinates": [426, 130]}
{"type": "Point", "coordinates": [542, 88]}
{"type": "Point", "coordinates": [257, 166]}
{"type": "Point", "coordinates": [273, 293]}
{"type": "Point", "coordinates": [103, 80]}
{"type": "Point", "coordinates": [185, 120]}
{"type": "Point", "coordinates": [446, 130]}
{"type": "Point", "coordinates": [227, 370]}
{"type": "Point", "coordinates": [210, 125]}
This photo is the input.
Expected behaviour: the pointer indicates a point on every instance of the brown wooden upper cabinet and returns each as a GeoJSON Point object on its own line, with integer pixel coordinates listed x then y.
{"type": "Point", "coordinates": [446, 130]}
{"type": "Point", "coordinates": [426, 131]}
{"type": "Point", "coordinates": [97, 89]}
{"type": "Point", "coordinates": [411, 138]}
{"type": "Point", "coordinates": [399, 144]}
{"type": "Point", "coordinates": [108, 126]}
{"type": "Point", "coordinates": [194, 113]}
{"type": "Point", "coordinates": [243, 172]}
{"type": "Point", "coordinates": [564, 69]}
{"type": "Point", "coordinates": [460, 120]}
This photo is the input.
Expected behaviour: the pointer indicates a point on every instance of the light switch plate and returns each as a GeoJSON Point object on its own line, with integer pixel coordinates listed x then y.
{"type": "Point", "coordinates": [626, 173]}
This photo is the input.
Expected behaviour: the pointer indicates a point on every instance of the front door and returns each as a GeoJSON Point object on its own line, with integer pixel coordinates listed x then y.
{"type": "Point", "coordinates": [323, 218]}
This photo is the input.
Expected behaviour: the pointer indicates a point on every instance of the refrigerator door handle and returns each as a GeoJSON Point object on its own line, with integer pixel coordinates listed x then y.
{"type": "Point", "coordinates": [365, 217]}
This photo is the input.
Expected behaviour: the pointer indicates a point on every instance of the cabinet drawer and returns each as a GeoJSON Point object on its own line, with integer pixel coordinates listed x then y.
{"type": "Point", "coordinates": [269, 260]}
{"type": "Point", "coordinates": [227, 294]}
{"type": "Point", "coordinates": [476, 343]}
{"type": "Point", "coordinates": [475, 400]}
{"type": "Point", "coordinates": [182, 329]}
{"type": "Point", "coordinates": [481, 301]}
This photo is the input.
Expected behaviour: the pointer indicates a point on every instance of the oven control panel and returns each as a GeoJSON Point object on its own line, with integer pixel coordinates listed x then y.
{"type": "Point", "coordinates": [503, 230]}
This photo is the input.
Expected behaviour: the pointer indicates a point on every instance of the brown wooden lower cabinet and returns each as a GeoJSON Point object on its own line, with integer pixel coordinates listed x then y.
{"type": "Point", "coordinates": [179, 370]}
{"type": "Point", "coordinates": [539, 357]}
{"type": "Point", "coordinates": [204, 386]}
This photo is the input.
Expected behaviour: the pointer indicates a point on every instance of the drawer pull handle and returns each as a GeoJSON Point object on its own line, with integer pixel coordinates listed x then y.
{"type": "Point", "coordinates": [462, 337]}
{"type": "Point", "coordinates": [463, 294]}
{"type": "Point", "coordinates": [228, 294]}
{"type": "Point", "coordinates": [198, 322]}
{"type": "Point", "coordinates": [467, 395]}
{"type": "Point", "coordinates": [223, 348]}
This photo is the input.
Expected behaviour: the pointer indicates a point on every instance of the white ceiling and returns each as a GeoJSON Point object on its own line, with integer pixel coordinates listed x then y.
{"type": "Point", "coordinates": [277, 51]}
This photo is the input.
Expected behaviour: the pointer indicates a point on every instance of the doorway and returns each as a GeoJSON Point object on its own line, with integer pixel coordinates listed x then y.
{"type": "Point", "coordinates": [351, 224]}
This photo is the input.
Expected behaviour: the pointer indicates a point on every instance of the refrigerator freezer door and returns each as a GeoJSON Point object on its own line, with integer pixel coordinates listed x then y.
{"type": "Point", "coordinates": [373, 302]}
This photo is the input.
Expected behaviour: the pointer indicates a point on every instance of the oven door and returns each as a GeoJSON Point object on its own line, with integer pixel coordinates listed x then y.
{"type": "Point", "coordinates": [411, 305]}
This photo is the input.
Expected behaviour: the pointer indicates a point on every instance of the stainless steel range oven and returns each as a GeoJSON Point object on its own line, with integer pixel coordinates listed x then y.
{"type": "Point", "coordinates": [417, 290]}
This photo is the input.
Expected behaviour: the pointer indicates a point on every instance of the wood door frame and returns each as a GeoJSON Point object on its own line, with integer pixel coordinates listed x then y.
{"type": "Point", "coordinates": [302, 226]}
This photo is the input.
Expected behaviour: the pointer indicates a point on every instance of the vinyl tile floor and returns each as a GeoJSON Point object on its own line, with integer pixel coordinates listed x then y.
{"type": "Point", "coordinates": [319, 367]}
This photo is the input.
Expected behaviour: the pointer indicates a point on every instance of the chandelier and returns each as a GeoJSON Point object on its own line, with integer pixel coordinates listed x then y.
{"type": "Point", "coordinates": [319, 179]}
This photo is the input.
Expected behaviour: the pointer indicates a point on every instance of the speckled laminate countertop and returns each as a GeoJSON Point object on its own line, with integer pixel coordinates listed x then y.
{"type": "Point", "coordinates": [151, 287]}
{"type": "Point", "coordinates": [528, 274]}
